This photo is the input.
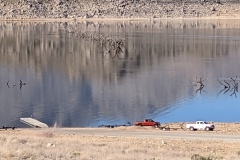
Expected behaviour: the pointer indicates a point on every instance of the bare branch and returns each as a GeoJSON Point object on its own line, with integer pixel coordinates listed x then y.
{"type": "Point", "coordinates": [222, 84]}
{"type": "Point", "coordinates": [227, 83]}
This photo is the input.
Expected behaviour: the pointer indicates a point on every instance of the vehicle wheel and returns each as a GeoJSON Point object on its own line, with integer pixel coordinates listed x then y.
{"type": "Point", "coordinates": [156, 126]}
{"type": "Point", "coordinates": [191, 129]}
{"type": "Point", "coordinates": [207, 128]}
{"type": "Point", "coordinates": [140, 125]}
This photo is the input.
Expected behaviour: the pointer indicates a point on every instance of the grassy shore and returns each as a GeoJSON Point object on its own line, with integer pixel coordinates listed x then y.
{"type": "Point", "coordinates": [49, 144]}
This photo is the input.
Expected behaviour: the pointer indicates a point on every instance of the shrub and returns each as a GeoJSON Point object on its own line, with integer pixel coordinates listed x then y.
{"type": "Point", "coordinates": [238, 153]}
{"type": "Point", "coordinates": [198, 157]}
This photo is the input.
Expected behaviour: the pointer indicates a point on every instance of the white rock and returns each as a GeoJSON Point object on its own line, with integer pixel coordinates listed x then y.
{"type": "Point", "coordinates": [50, 145]}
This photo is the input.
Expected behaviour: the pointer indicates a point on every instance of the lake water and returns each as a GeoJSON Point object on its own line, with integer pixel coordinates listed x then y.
{"type": "Point", "coordinates": [74, 81]}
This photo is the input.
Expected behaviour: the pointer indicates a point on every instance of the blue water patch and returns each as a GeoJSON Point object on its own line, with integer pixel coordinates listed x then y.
{"type": "Point", "coordinates": [225, 109]}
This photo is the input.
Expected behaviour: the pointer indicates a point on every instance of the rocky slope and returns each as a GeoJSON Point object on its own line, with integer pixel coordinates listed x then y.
{"type": "Point", "coordinates": [76, 9]}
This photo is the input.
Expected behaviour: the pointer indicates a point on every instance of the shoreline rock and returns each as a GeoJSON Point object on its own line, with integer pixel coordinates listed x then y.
{"type": "Point", "coordinates": [65, 9]}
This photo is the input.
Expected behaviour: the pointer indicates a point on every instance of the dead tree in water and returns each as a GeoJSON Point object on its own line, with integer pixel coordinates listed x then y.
{"type": "Point", "coordinates": [227, 86]}
{"type": "Point", "coordinates": [235, 84]}
{"type": "Point", "coordinates": [107, 45]}
{"type": "Point", "coordinates": [200, 81]}
{"type": "Point", "coordinates": [118, 47]}
{"type": "Point", "coordinates": [8, 84]}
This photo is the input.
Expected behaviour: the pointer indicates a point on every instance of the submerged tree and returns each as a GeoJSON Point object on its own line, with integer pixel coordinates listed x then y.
{"type": "Point", "coordinates": [227, 86]}
{"type": "Point", "coordinates": [200, 81]}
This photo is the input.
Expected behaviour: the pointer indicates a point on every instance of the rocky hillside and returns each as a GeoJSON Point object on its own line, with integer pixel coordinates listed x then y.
{"type": "Point", "coordinates": [75, 9]}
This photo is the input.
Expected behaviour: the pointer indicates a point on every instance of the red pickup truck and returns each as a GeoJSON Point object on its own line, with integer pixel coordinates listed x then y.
{"type": "Point", "coordinates": [147, 122]}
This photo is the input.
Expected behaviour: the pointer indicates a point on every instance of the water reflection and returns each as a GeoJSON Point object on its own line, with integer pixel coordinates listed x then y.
{"type": "Point", "coordinates": [71, 80]}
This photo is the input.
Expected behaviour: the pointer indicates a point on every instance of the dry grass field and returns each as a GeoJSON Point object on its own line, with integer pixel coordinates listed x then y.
{"type": "Point", "coordinates": [31, 144]}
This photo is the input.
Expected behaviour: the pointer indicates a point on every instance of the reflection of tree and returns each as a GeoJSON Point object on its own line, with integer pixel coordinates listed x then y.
{"type": "Point", "coordinates": [227, 86]}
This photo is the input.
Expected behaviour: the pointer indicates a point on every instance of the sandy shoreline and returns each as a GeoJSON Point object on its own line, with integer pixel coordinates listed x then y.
{"type": "Point", "coordinates": [115, 19]}
{"type": "Point", "coordinates": [36, 20]}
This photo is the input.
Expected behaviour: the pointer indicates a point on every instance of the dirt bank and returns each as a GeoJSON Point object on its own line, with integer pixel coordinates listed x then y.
{"type": "Point", "coordinates": [64, 9]}
{"type": "Point", "coordinates": [53, 144]}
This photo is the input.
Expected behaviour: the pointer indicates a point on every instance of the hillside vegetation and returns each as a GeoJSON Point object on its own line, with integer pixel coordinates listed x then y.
{"type": "Point", "coordinates": [66, 9]}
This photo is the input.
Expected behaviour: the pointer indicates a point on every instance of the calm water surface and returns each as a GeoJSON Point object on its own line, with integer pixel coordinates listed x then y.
{"type": "Point", "coordinates": [76, 82]}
